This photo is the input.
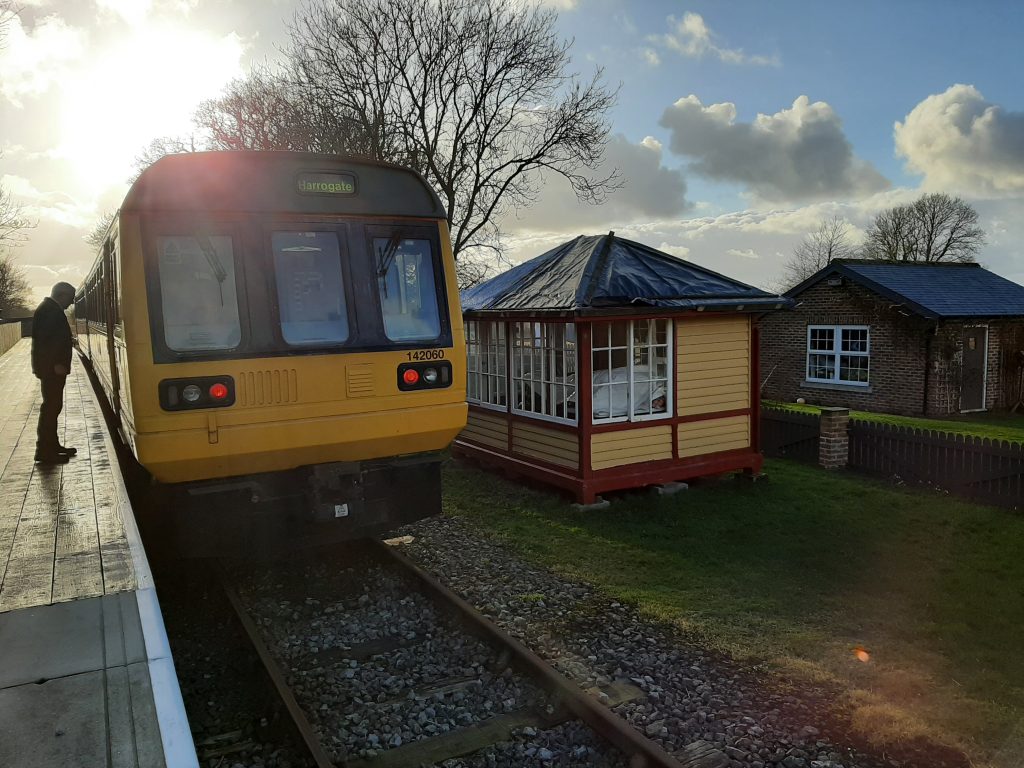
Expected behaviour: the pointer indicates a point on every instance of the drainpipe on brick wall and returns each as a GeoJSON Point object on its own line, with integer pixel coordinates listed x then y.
{"type": "Point", "coordinates": [928, 336]}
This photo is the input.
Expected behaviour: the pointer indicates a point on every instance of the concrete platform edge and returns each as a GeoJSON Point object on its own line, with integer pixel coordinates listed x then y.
{"type": "Point", "coordinates": [175, 734]}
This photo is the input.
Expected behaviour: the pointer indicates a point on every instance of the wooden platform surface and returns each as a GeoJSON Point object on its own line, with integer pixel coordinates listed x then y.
{"type": "Point", "coordinates": [62, 535]}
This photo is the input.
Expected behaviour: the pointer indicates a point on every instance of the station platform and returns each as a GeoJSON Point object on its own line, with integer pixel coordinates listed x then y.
{"type": "Point", "coordinates": [86, 675]}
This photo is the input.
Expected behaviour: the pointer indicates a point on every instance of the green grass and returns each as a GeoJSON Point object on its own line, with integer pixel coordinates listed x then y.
{"type": "Point", "coordinates": [800, 570]}
{"type": "Point", "coordinates": [996, 426]}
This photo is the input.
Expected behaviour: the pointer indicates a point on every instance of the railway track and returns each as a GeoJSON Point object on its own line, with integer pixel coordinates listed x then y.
{"type": "Point", "coordinates": [380, 665]}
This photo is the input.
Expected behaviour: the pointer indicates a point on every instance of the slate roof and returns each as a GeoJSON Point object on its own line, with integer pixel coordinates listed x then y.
{"type": "Point", "coordinates": [935, 291]}
{"type": "Point", "coordinates": [604, 271]}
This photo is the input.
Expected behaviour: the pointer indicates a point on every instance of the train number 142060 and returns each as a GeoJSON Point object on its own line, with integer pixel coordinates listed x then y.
{"type": "Point", "coordinates": [426, 354]}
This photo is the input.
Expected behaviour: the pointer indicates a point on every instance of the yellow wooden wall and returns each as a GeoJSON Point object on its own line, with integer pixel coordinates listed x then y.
{"type": "Point", "coordinates": [711, 435]}
{"type": "Point", "coordinates": [713, 367]}
{"type": "Point", "coordinates": [713, 364]}
{"type": "Point", "coordinates": [630, 446]}
{"type": "Point", "coordinates": [486, 429]}
{"type": "Point", "coordinates": [554, 446]}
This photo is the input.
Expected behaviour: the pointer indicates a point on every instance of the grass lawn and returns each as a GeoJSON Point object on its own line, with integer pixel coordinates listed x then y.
{"type": "Point", "coordinates": [798, 572]}
{"type": "Point", "coordinates": [997, 426]}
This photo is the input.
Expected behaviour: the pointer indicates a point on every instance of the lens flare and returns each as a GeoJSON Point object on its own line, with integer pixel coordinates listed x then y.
{"type": "Point", "coordinates": [860, 653]}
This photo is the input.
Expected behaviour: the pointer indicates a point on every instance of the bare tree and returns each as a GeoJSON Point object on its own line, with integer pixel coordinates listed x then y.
{"type": "Point", "coordinates": [159, 147]}
{"type": "Point", "coordinates": [260, 111]}
{"type": "Point", "coordinates": [830, 241]}
{"type": "Point", "coordinates": [7, 12]}
{"type": "Point", "coordinates": [935, 227]}
{"type": "Point", "coordinates": [14, 287]}
{"type": "Point", "coordinates": [98, 233]}
{"type": "Point", "coordinates": [474, 94]}
{"type": "Point", "coordinates": [13, 221]}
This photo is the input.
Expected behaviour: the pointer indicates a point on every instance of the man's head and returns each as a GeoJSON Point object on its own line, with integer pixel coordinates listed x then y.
{"type": "Point", "coordinates": [63, 294]}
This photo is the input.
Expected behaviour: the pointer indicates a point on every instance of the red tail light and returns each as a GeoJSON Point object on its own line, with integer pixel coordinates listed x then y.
{"type": "Point", "coordinates": [218, 391]}
{"type": "Point", "coordinates": [410, 376]}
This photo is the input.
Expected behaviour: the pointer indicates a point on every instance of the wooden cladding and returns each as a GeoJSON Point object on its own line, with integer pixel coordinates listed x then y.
{"type": "Point", "coordinates": [630, 446]}
{"type": "Point", "coordinates": [712, 365]}
{"type": "Point", "coordinates": [551, 445]}
{"type": "Point", "coordinates": [712, 435]}
{"type": "Point", "coordinates": [486, 429]}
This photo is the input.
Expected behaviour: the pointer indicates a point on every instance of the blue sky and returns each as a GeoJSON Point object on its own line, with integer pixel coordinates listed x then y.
{"type": "Point", "coordinates": [739, 126]}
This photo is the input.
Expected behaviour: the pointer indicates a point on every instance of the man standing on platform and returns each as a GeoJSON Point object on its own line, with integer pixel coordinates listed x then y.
{"type": "Point", "coordinates": [51, 363]}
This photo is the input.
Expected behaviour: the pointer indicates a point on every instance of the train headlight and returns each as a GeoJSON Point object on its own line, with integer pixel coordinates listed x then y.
{"type": "Point", "coordinates": [191, 393]}
{"type": "Point", "coordinates": [430, 375]}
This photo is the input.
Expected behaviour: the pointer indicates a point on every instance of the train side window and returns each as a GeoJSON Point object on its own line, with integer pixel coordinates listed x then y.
{"type": "Point", "coordinates": [408, 294]}
{"type": "Point", "coordinates": [198, 293]}
{"type": "Point", "coordinates": [310, 287]}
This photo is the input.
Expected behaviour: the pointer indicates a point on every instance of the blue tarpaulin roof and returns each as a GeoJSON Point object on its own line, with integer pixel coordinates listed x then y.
{"type": "Point", "coordinates": [604, 271]}
{"type": "Point", "coordinates": [932, 290]}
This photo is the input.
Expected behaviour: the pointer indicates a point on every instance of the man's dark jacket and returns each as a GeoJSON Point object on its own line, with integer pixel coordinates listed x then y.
{"type": "Point", "coordinates": [51, 339]}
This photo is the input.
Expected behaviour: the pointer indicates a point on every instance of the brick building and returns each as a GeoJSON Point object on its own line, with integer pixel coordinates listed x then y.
{"type": "Point", "coordinates": [898, 337]}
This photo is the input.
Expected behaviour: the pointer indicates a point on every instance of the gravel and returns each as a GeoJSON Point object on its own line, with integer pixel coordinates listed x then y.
{"type": "Point", "coordinates": [375, 666]}
{"type": "Point", "coordinates": [691, 694]}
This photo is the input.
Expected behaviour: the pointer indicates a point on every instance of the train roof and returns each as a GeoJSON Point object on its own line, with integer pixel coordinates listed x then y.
{"type": "Point", "coordinates": [281, 182]}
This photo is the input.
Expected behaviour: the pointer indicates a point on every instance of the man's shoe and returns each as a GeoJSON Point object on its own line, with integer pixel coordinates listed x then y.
{"type": "Point", "coordinates": [68, 450]}
{"type": "Point", "coordinates": [54, 457]}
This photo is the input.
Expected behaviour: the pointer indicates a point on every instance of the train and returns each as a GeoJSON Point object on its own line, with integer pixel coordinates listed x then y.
{"type": "Point", "coordinates": [279, 340]}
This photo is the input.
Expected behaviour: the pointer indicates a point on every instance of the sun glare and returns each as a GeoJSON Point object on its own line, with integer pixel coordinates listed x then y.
{"type": "Point", "coordinates": [142, 87]}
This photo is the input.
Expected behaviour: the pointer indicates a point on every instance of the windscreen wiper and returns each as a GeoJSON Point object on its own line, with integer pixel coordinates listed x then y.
{"type": "Point", "coordinates": [215, 266]}
{"type": "Point", "coordinates": [387, 258]}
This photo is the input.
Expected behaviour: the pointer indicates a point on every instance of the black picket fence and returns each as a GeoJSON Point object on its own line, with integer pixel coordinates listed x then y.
{"type": "Point", "coordinates": [981, 469]}
{"type": "Point", "coordinates": [789, 435]}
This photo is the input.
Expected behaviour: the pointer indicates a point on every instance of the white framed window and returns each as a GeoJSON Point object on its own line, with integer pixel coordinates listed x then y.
{"type": "Point", "coordinates": [544, 370]}
{"type": "Point", "coordinates": [486, 363]}
{"type": "Point", "coordinates": [631, 376]}
{"type": "Point", "coordinates": [839, 354]}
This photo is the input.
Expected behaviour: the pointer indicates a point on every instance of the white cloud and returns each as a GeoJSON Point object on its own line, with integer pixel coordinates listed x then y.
{"type": "Point", "coordinates": [651, 56]}
{"type": "Point", "coordinates": [54, 206]}
{"type": "Point", "coordinates": [746, 253]}
{"type": "Point", "coordinates": [797, 154]}
{"type": "Point", "coordinates": [36, 58]}
{"type": "Point", "coordinates": [649, 190]}
{"type": "Point", "coordinates": [691, 37]}
{"type": "Point", "coordinates": [676, 250]}
{"type": "Point", "coordinates": [962, 143]}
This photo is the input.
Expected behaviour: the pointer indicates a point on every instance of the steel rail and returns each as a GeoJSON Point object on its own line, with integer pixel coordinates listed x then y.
{"type": "Point", "coordinates": [642, 751]}
{"type": "Point", "coordinates": [277, 678]}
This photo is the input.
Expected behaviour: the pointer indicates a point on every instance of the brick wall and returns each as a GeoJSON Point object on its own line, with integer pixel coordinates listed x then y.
{"type": "Point", "coordinates": [897, 350]}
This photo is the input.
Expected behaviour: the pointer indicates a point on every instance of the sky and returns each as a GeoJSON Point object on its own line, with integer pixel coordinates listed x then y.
{"type": "Point", "coordinates": [738, 127]}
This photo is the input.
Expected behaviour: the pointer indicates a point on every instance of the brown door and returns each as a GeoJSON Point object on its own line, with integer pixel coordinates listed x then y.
{"type": "Point", "coordinates": [972, 384]}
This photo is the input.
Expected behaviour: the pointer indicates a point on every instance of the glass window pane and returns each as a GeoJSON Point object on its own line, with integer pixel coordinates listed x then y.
{"type": "Point", "coordinates": [821, 366]}
{"type": "Point", "coordinates": [822, 339]}
{"type": "Point", "coordinates": [310, 287]}
{"type": "Point", "coordinates": [408, 295]}
{"type": "Point", "coordinates": [197, 289]}
{"type": "Point", "coordinates": [855, 340]}
{"type": "Point", "coordinates": [853, 368]}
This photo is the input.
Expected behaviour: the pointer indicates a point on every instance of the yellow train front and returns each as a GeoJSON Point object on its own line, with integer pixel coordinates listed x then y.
{"type": "Point", "coordinates": [279, 337]}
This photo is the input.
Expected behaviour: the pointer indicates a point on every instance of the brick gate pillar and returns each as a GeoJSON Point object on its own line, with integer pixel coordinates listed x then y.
{"type": "Point", "coordinates": [833, 438]}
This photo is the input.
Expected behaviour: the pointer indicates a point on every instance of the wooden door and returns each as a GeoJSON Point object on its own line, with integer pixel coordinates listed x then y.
{"type": "Point", "coordinates": [973, 373]}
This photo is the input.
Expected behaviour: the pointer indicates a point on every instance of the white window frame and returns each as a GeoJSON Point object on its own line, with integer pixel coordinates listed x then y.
{"type": "Point", "coordinates": [540, 367]}
{"type": "Point", "coordinates": [630, 355]}
{"type": "Point", "coordinates": [490, 348]}
{"type": "Point", "coordinates": [836, 353]}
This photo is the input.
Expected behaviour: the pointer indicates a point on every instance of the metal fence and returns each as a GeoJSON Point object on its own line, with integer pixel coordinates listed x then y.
{"type": "Point", "coordinates": [789, 434]}
{"type": "Point", "coordinates": [990, 471]}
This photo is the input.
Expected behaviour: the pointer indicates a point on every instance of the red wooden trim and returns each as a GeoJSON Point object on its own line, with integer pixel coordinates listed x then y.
{"type": "Point", "coordinates": [713, 415]}
{"type": "Point", "coordinates": [556, 425]}
{"type": "Point", "coordinates": [547, 473]}
{"type": "Point", "coordinates": [508, 379]}
{"type": "Point", "coordinates": [584, 395]}
{"type": "Point", "coordinates": [624, 425]}
{"type": "Point", "coordinates": [496, 412]}
{"type": "Point", "coordinates": [755, 386]}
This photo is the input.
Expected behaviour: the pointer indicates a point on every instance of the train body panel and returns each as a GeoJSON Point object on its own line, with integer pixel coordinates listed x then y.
{"type": "Point", "coordinates": [306, 310]}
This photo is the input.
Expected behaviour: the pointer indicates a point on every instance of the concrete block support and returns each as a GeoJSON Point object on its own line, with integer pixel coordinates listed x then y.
{"type": "Point", "coordinates": [834, 440]}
